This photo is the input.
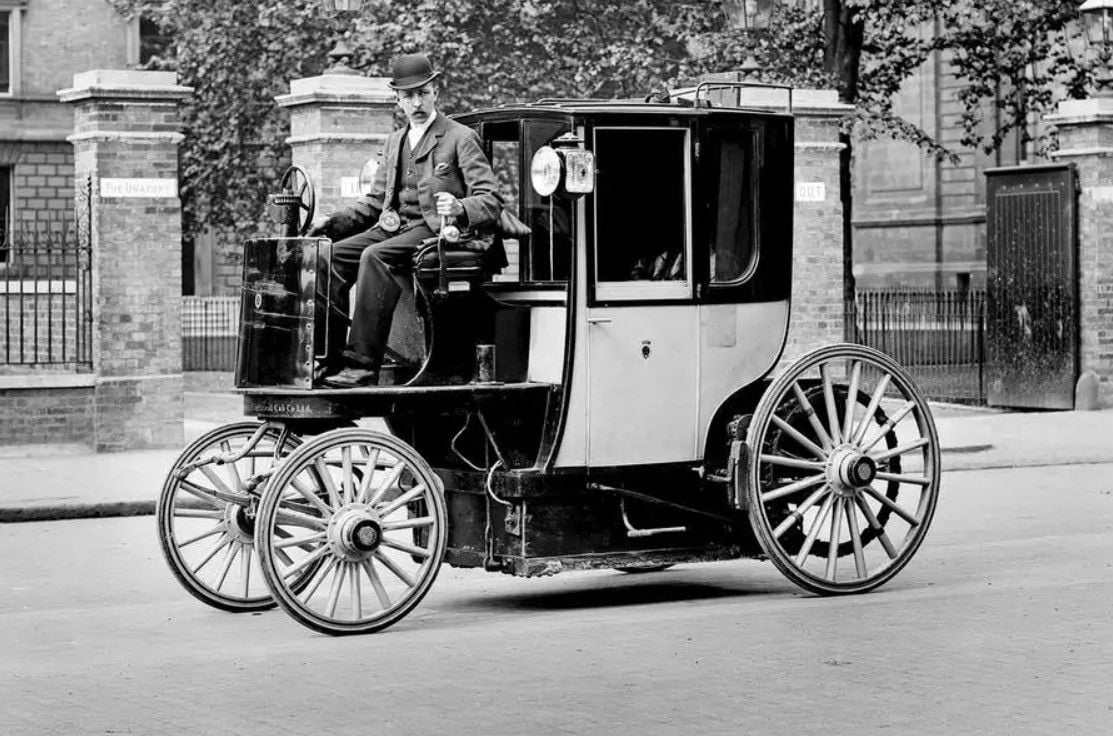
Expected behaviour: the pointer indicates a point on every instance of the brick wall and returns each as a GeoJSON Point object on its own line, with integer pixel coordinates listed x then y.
{"type": "Point", "coordinates": [42, 186]}
{"type": "Point", "coordinates": [64, 37]}
{"type": "Point", "coordinates": [46, 415]}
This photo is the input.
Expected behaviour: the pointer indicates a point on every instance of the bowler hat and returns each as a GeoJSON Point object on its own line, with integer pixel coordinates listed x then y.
{"type": "Point", "coordinates": [411, 71]}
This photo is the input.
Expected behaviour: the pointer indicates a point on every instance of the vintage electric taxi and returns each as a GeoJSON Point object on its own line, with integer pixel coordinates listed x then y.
{"type": "Point", "coordinates": [604, 391]}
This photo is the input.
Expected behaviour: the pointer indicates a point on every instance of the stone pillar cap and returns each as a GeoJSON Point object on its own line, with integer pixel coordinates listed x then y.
{"type": "Point", "coordinates": [1079, 112]}
{"type": "Point", "coordinates": [125, 84]}
{"type": "Point", "coordinates": [337, 88]}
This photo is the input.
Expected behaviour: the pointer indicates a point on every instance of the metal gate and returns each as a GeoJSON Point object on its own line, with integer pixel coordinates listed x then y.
{"type": "Point", "coordinates": [1032, 286]}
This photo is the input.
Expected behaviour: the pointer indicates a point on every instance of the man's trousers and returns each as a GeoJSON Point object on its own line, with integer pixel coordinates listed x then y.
{"type": "Point", "coordinates": [379, 264]}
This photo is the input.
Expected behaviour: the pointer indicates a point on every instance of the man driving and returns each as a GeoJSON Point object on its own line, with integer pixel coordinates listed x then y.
{"type": "Point", "coordinates": [432, 168]}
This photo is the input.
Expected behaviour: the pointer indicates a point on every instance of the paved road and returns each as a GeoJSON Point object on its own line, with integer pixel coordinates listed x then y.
{"type": "Point", "coordinates": [1001, 625]}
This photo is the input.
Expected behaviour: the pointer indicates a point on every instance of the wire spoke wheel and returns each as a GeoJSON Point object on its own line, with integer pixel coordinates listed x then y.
{"type": "Point", "coordinates": [367, 515]}
{"type": "Point", "coordinates": [205, 516]}
{"type": "Point", "coordinates": [844, 478]}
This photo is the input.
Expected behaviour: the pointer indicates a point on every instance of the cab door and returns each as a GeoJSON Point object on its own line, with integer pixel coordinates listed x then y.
{"type": "Point", "coordinates": [642, 323]}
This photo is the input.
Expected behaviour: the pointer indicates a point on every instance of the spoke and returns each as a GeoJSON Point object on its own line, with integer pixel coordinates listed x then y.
{"type": "Point", "coordinates": [305, 562]}
{"type": "Point", "coordinates": [204, 535]}
{"type": "Point", "coordinates": [229, 558]}
{"type": "Point", "coordinates": [829, 400]}
{"type": "Point", "coordinates": [202, 494]}
{"type": "Point", "coordinates": [312, 497]}
{"type": "Point", "coordinates": [320, 575]}
{"type": "Point", "coordinates": [198, 514]}
{"type": "Point", "coordinates": [856, 541]}
{"type": "Point", "coordinates": [814, 531]}
{"type": "Point", "coordinates": [402, 500]}
{"type": "Point", "coordinates": [882, 537]}
{"type": "Point", "coordinates": [347, 481]}
{"type": "Point", "coordinates": [296, 518]}
{"type": "Point", "coordinates": [245, 568]}
{"type": "Point", "coordinates": [338, 576]}
{"type": "Point", "coordinates": [407, 548]}
{"type": "Point", "coordinates": [809, 411]}
{"type": "Point", "coordinates": [357, 594]}
{"type": "Point", "coordinates": [389, 481]}
{"type": "Point", "coordinates": [376, 583]}
{"type": "Point", "coordinates": [300, 541]}
{"type": "Point", "coordinates": [394, 568]}
{"type": "Point", "coordinates": [327, 480]}
{"type": "Point", "coordinates": [791, 488]}
{"type": "Point", "coordinates": [368, 475]}
{"type": "Point", "coordinates": [389, 526]}
{"type": "Point", "coordinates": [875, 401]}
{"type": "Point", "coordinates": [833, 545]}
{"type": "Point", "coordinates": [893, 506]}
{"type": "Point", "coordinates": [923, 442]}
{"type": "Point", "coordinates": [795, 434]}
{"type": "Point", "coordinates": [798, 514]}
{"type": "Point", "coordinates": [280, 532]}
{"type": "Point", "coordinates": [917, 480]}
{"type": "Point", "coordinates": [216, 480]}
{"type": "Point", "coordinates": [893, 421]}
{"type": "Point", "coordinates": [851, 399]}
{"type": "Point", "coordinates": [220, 544]}
{"type": "Point", "coordinates": [791, 462]}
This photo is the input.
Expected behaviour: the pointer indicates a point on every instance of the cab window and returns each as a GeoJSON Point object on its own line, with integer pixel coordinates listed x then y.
{"type": "Point", "coordinates": [642, 213]}
{"type": "Point", "coordinates": [734, 187]}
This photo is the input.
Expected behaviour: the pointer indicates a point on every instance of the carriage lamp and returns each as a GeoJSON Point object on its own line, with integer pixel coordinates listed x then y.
{"type": "Point", "coordinates": [565, 164]}
{"type": "Point", "coordinates": [1097, 22]}
{"type": "Point", "coordinates": [367, 174]}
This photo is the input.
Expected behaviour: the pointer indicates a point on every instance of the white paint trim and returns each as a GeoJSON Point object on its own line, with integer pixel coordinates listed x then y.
{"type": "Point", "coordinates": [15, 52]}
{"type": "Point", "coordinates": [133, 41]}
{"type": "Point", "coordinates": [50, 287]}
{"type": "Point", "coordinates": [126, 135]}
{"type": "Point", "coordinates": [47, 380]}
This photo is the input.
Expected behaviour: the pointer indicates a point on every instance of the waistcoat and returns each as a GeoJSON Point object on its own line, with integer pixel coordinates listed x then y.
{"type": "Point", "coordinates": [408, 206]}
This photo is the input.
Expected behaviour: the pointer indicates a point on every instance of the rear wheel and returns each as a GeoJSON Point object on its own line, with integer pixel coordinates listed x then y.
{"type": "Point", "coordinates": [367, 515]}
{"type": "Point", "coordinates": [844, 478]}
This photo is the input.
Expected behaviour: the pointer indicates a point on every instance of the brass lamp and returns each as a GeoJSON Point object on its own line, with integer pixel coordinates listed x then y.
{"type": "Point", "coordinates": [1097, 22]}
{"type": "Point", "coordinates": [341, 53]}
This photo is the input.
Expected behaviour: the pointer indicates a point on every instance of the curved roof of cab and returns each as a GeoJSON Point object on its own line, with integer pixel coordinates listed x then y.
{"type": "Point", "coordinates": [596, 106]}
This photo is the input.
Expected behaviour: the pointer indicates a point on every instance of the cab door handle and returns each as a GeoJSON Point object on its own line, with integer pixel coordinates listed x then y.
{"type": "Point", "coordinates": [599, 320]}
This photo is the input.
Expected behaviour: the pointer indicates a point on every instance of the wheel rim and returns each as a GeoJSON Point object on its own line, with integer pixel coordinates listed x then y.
{"type": "Point", "coordinates": [369, 513]}
{"type": "Point", "coordinates": [205, 517]}
{"type": "Point", "coordinates": [845, 472]}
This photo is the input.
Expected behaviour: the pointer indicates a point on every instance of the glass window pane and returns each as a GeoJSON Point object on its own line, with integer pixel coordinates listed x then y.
{"type": "Point", "coordinates": [735, 232]}
{"type": "Point", "coordinates": [549, 256]}
{"type": "Point", "coordinates": [5, 53]}
{"type": "Point", "coordinates": [641, 213]}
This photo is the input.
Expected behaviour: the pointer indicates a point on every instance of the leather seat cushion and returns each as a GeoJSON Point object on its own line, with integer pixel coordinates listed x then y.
{"type": "Point", "coordinates": [453, 259]}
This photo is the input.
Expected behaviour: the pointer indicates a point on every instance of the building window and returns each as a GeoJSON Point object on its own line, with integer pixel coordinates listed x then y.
{"type": "Point", "coordinates": [5, 210]}
{"type": "Point", "coordinates": [153, 43]}
{"type": "Point", "coordinates": [5, 52]}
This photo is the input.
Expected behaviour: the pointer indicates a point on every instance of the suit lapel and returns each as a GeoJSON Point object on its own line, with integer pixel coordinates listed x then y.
{"type": "Point", "coordinates": [432, 137]}
{"type": "Point", "coordinates": [393, 152]}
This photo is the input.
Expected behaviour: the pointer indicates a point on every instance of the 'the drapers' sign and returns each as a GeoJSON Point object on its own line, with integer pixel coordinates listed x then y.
{"type": "Point", "coordinates": [147, 188]}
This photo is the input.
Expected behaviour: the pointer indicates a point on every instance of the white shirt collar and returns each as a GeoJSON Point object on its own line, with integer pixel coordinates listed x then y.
{"type": "Point", "coordinates": [417, 132]}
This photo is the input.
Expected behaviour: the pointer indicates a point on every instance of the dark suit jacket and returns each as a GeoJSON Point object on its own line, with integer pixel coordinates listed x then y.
{"type": "Point", "coordinates": [449, 158]}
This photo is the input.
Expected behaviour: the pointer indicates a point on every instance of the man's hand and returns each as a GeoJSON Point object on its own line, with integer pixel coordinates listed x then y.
{"type": "Point", "coordinates": [319, 227]}
{"type": "Point", "coordinates": [448, 205]}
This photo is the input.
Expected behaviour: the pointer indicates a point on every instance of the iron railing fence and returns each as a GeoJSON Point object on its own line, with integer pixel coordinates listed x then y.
{"type": "Point", "coordinates": [210, 325]}
{"type": "Point", "coordinates": [938, 335]}
{"type": "Point", "coordinates": [45, 299]}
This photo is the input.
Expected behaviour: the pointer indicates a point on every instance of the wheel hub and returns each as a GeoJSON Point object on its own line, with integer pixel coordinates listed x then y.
{"type": "Point", "coordinates": [355, 532]}
{"type": "Point", "coordinates": [239, 524]}
{"type": "Point", "coordinates": [849, 470]}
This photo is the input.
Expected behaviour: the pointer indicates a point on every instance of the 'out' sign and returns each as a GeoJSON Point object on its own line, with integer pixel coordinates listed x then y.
{"type": "Point", "coordinates": [811, 191]}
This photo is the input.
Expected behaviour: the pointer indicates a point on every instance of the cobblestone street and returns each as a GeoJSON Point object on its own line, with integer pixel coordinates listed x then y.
{"type": "Point", "coordinates": [999, 626]}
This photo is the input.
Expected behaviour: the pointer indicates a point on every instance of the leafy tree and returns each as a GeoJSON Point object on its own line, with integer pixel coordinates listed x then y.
{"type": "Point", "coordinates": [238, 56]}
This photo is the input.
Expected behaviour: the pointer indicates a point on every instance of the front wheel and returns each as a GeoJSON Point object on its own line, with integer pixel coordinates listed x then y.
{"type": "Point", "coordinates": [844, 476]}
{"type": "Point", "coordinates": [367, 514]}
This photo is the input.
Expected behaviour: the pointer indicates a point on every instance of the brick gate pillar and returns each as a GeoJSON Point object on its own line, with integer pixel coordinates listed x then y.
{"type": "Point", "coordinates": [1086, 140]}
{"type": "Point", "coordinates": [337, 122]}
{"type": "Point", "coordinates": [817, 264]}
{"type": "Point", "coordinates": [126, 136]}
